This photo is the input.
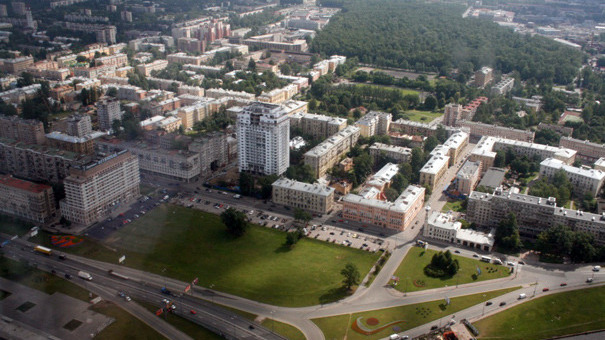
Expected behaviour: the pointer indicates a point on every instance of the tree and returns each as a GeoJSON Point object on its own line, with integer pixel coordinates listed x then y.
{"type": "Point", "coordinates": [442, 265]}
{"type": "Point", "coordinates": [293, 237]}
{"type": "Point", "coordinates": [26, 79]}
{"type": "Point", "coordinates": [235, 221]}
{"type": "Point", "coordinates": [251, 65]}
{"type": "Point", "coordinates": [302, 216]}
{"type": "Point", "coordinates": [351, 276]}
{"type": "Point", "coordinates": [582, 249]}
{"type": "Point", "coordinates": [430, 103]}
{"type": "Point", "coordinates": [417, 160]}
{"type": "Point", "coordinates": [507, 233]}
{"type": "Point", "coordinates": [430, 143]}
{"type": "Point", "coordinates": [391, 194]}
{"type": "Point", "coordinates": [556, 241]}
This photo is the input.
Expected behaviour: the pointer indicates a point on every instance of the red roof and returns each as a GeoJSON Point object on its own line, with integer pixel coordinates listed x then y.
{"type": "Point", "coordinates": [23, 185]}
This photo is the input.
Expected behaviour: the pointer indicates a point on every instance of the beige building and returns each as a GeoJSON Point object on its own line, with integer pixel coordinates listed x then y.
{"type": "Point", "coordinates": [374, 123]}
{"type": "Point", "coordinates": [478, 130]}
{"type": "Point", "coordinates": [454, 145]}
{"type": "Point", "coordinates": [31, 201]}
{"type": "Point", "coordinates": [586, 150]}
{"type": "Point", "coordinates": [94, 191]}
{"type": "Point", "coordinates": [316, 198]}
{"type": "Point", "coordinates": [467, 177]}
{"type": "Point", "coordinates": [484, 76]}
{"type": "Point", "coordinates": [433, 170]}
{"type": "Point", "coordinates": [600, 164]}
{"type": "Point", "coordinates": [30, 131]}
{"type": "Point", "coordinates": [399, 154]}
{"type": "Point", "coordinates": [582, 180]}
{"type": "Point", "coordinates": [79, 125]}
{"type": "Point", "coordinates": [444, 227]}
{"type": "Point", "coordinates": [318, 126]}
{"type": "Point", "coordinates": [118, 60]}
{"type": "Point", "coordinates": [278, 96]}
{"type": "Point", "coordinates": [157, 65]}
{"type": "Point", "coordinates": [328, 153]}
{"type": "Point", "coordinates": [368, 208]}
{"type": "Point", "coordinates": [383, 178]}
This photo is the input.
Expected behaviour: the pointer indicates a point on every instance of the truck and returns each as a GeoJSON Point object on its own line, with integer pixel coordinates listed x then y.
{"type": "Point", "coordinates": [486, 259]}
{"type": "Point", "coordinates": [84, 275]}
{"type": "Point", "coordinates": [43, 250]}
{"type": "Point", "coordinates": [116, 274]}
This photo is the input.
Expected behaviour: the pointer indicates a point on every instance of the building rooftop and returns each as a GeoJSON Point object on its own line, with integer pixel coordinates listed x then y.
{"type": "Point", "coordinates": [391, 148]}
{"type": "Point", "coordinates": [558, 164]}
{"type": "Point", "coordinates": [469, 169]}
{"type": "Point", "coordinates": [326, 145]}
{"type": "Point", "coordinates": [10, 181]}
{"type": "Point", "coordinates": [384, 175]}
{"type": "Point", "coordinates": [315, 188]}
{"type": "Point", "coordinates": [443, 221]}
{"type": "Point", "coordinates": [401, 205]}
{"type": "Point", "coordinates": [476, 237]}
{"type": "Point", "coordinates": [493, 178]}
{"type": "Point", "coordinates": [435, 164]}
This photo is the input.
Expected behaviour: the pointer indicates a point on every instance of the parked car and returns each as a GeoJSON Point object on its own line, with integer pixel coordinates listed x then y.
{"type": "Point", "coordinates": [502, 303]}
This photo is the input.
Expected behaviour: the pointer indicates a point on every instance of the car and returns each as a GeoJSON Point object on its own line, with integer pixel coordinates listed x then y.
{"type": "Point", "coordinates": [127, 298]}
{"type": "Point", "coordinates": [331, 233]}
{"type": "Point", "coordinates": [121, 294]}
{"type": "Point", "coordinates": [521, 262]}
{"type": "Point", "coordinates": [502, 303]}
{"type": "Point", "coordinates": [589, 280]}
{"type": "Point", "coordinates": [457, 251]}
{"type": "Point", "coordinates": [512, 264]}
{"type": "Point", "coordinates": [62, 257]}
{"type": "Point", "coordinates": [545, 289]}
{"type": "Point", "coordinates": [475, 255]}
{"type": "Point", "coordinates": [67, 276]}
{"type": "Point", "coordinates": [340, 220]}
{"type": "Point", "coordinates": [563, 284]}
{"type": "Point", "coordinates": [434, 327]}
{"type": "Point", "coordinates": [489, 303]}
{"type": "Point", "coordinates": [596, 268]}
{"type": "Point", "coordinates": [53, 271]}
{"type": "Point", "coordinates": [251, 327]}
{"type": "Point", "coordinates": [192, 312]}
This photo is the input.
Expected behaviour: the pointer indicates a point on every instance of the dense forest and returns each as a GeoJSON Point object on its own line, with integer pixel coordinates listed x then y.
{"type": "Point", "coordinates": [435, 37]}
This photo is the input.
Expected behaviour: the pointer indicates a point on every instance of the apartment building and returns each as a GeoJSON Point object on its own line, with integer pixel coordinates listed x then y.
{"type": "Point", "coordinates": [383, 178]}
{"type": "Point", "coordinates": [16, 65]}
{"type": "Point", "coordinates": [318, 126]}
{"type": "Point", "coordinates": [478, 130]}
{"type": "Point", "coordinates": [79, 145]}
{"type": "Point", "coordinates": [399, 154]}
{"type": "Point", "coordinates": [452, 113]}
{"type": "Point", "coordinates": [278, 96]}
{"type": "Point", "coordinates": [484, 76]}
{"type": "Point", "coordinates": [108, 110]}
{"type": "Point", "coordinates": [220, 93]}
{"type": "Point", "coordinates": [588, 151]}
{"type": "Point", "coordinates": [412, 128]}
{"type": "Point", "coordinates": [79, 125]}
{"type": "Point", "coordinates": [29, 131]}
{"type": "Point", "coordinates": [176, 165]}
{"type": "Point", "coordinates": [329, 152]}
{"type": "Point", "coordinates": [156, 65]}
{"type": "Point", "coordinates": [503, 86]}
{"type": "Point", "coordinates": [295, 106]}
{"type": "Point", "coordinates": [367, 207]}
{"type": "Point", "coordinates": [534, 103]}
{"type": "Point", "coordinates": [582, 180]}
{"type": "Point", "coordinates": [17, 95]}
{"type": "Point", "coordinates": [95, 190]}
{"type": "Point", "coordinates": [433, 170]}
{"type": "Point", "coordinates": [534, 214]}
{"type": "Point", "coordinates": [444, 227]}
{"type": "Point", "coordinates": [213, 149]}
{"type": "Point", "coordinates": [117, 60]}
{"type": "Point", "coordinates": [454, 145]}
{"type": "Point", "coordinates": [263, 135]}
{"type": "Point", "coordinates": [600, 164]}
{"type": "Point", "coordinates": [485, 151]}
{"type": "Point", "coordinates": [183, 58]}
{"type": "Point", "coordinates": [315, 198]}
{"type": "Point", "coordinates": [467, 177]}
{"type": "Point", "coordinates": [27, 200]}
{"type": "Point", "coordinates": [374, 123]}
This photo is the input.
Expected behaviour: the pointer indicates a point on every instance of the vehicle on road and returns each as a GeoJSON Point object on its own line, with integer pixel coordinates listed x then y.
{"type": "Point", "coordinates": [502, 303]}
{"type": "Point", "coordinates": [67, 276]}
{"type": "Point", "coordinates": [165, 290]}
{"type": "Point", "coordinates": [116, 274]}
{"type": "Point", "coordinates": [589, 280]}
{"type": "Point", "coordinates": [545, 289]}
{"type": "Point", "coordinates": [84, 275]}
{"type": "Point", "coordinates": [497, 261]}
{"type": "Point", "coordinates": [596, 268]}
{"type": "Point", "coordinates": [457, 251]}
{"type": "Point", "coordinates": [486, 259]}
{"type": "Point", "coordinates": [521, 262]}
{"type": "Point", "coordinates": [434, 327]}
{"type": "Point", "coordinates": [563, 284]}
{"type": "Point", "coordinates": [62, 257]}
{"type": "Point", "coordinates": [489, 303]}
{"type": "Point", "coordinates": [522, 296]}
{"type": "Point", "coordinates": [192, 312]}
{"type": "Point", "coordinates": [43, 250]}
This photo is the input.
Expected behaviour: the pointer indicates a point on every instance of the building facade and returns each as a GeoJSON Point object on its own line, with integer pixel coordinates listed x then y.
{"type": "Point", "coordinates": [318, 126]}
{"type": "Point", "coordinates": [374, 123]}
{"type": "Point", "coordinates": [443, 227]}
{"type": "Point", "coordinates": [263, 135]}
{"type": "Point", "coordinates": [586, 150]}
{"type": "Point", "coordinates": [108, 110]}
{"type": "Point", "coordinates": [467, 177]}
{"type": "Point", "coordinates": [94, 191]}
{"type": "Point", "coordinates": [329, 152]}
{"type": "Point", "coordinates": [29, 131]}
{"type": "Point", "coordinates": [31, 201]}
{"type": "Point", "coordinates": [582, 180]}
{"type": "Point", "coordinates": [399, 154]}
{"type": "Point", "coordinates": [79, 125]}
{"type": "Point", "coordinates": [316, 198]}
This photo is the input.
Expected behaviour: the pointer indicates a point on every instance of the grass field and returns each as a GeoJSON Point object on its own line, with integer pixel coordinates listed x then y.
{"type": "Point", "coordinates": [13, 226]}
{"type": "Point", "coordinates": [455, 206]}
{"type": "Point", "coordinates": [289, 331]}
{"type": "Point", "coordinates": [336, 327]}
{"type": "Point", "coordinates": [552, 315]}
{"type": "Point", "coordinates": [185, 243]}
{"type": "Point", "coordinates": [125, 325]}
{"type": "Point", "coordinates": [421, 116]}
{"type": "Point", "coordinates": [412, 278]}
{"type": "Point", "coordinates": [403, 91]}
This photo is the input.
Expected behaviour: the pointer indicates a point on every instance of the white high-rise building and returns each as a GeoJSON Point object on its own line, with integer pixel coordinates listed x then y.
{"type": "Point", "coordinates": [108, 110]}
{"type": "Point", "coordinates": [263, 135]}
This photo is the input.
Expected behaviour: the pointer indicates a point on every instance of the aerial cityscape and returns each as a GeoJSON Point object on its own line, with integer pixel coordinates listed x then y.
{"type": "Point", "coordinates": [302, 169]}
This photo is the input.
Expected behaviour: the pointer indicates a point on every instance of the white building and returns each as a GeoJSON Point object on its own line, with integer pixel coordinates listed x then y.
{"type": "Point", "coordinates": [398, 153]}
{"type": "Point", "coordinates": [263, 135]}
{"type": "Point", "coordinates": [444, 227]}
{"type": "Point", "coordinates": [316, 198]}
{"type": "Point", "coordinates": [374, 123]}
{"type": "Point", "coordinates": [582, 180]}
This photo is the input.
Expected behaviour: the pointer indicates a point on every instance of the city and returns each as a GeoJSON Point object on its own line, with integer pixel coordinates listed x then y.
{"type": "Point", "coordinates": [301, 169]}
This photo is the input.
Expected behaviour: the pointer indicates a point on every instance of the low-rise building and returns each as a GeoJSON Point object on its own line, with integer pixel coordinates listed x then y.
{"type": "Point", "coordinates": [444, 227]}
{"type": "Point", "coordinates": [433, 170]}
{"type": "Point", "coordinates": [478, 130]}
{"type": "Point", "coordinates": [600, 164]}
{"type": "Point", "coordinates": [27, 200]}
{"type": "Point", "coordinates": [213, 149]}
{"type": "Point", "coordinates": [157, 65]}
{"type": "Point", "coordinates": [316, 198]}
{"type": "Point", "coordinates": [503, 86]}
{"type": "Point", "coordinates": [588, 151]}
{"type": "Point", "coordinates": [368, 208]}
{"type": "Point", "coordinates": [582, 180]}
{"type": "Point", "coordinates": [328, 153]}
{"type": "Point", "coordinates": [492, 178]}
{"type": "Point", "coordinates": [81, 145]}
{"type": "Point", "coordinates": [382, 179]}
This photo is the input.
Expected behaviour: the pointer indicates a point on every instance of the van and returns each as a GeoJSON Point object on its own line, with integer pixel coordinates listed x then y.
{"type": "Point", "coordinates": [596, 268]}
{"type": "Point", "coordinates": [486, 259]}
{"type": "Point", "coordinates": [497, 261]}
{"type": "Point", "coordinates": [522, 296]}
{"type": "Point", "coordinates": [394, 337]}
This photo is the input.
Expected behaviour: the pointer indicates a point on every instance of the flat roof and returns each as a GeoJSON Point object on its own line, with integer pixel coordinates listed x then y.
{"type": "Point", "coordinates": [315, 188]}
{"type": "Point", "coordinates": [435, 164]}
{"type": "Point", "coordinates": [468, 169]}
{"type": "Point", "coordinates": [493, 177]}
{"type": "Point", "coordinates": [558, 164]}
{"type": "Point", "coordinates": [20, 184]}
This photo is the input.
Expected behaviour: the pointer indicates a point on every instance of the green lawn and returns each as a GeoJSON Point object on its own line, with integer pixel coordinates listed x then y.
{"type": "Point", "coordinates": [421, 116]}
{"type": "Point", "coordinates": [336, 327]}
{"type": "Point", "coordinates": [188, 243]}
{"type": "Point", "coordinates": [552, 315]}
{"type": "Point", "coordinates": [14, 226]}
{"type": "Point", "coordinates": [190, 328]}
{"type": "Point", "coordinates": [455, 206]}
{"type": "Point", "coordinates": [125, 325]}
{"type": "Point", "coordinates": [412, 278]}
{"type": "Point", "coordinates": [287, 330]}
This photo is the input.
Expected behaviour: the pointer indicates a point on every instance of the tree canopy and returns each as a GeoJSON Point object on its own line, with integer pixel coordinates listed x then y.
{"type": "Point", "coordinates": [351, 275]}
{"type": "Point", "coordinates": [235, 221]}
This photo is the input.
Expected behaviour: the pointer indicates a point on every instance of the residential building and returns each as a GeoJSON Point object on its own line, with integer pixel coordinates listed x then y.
{"type": "Point", "coordinates": [561, 130]}
{"type": "Point", "coordinates": [79, 125]}
{"type": "Point", "coordinates": [19, 94]}
{"type": "Point", "coordinates": [399, 154]}
{"type": "Point", "coordinates": [29, 131]}
{"type": "Point", "coordinates": [503, 86]}
{"type": "Point", "coordinates": [454, 145]}
{"type": "Point", "coordinates": [280, 95]}
{"type": "Point", "coordinates": [600, 164]}
{"type": "Point", "coordinates": [382, 179]}
{"type": "Point", "coordinates": [213, 149]}
{"type": "Point", "coordinates": [534, 103]}
{"type": "Point", "coordinates": [534, 214]}
{"type": "Point", "coordinates": [315, 198]}
{"type": "Point", "coordinates": [374, 123]}
{"type": "Point", "coordinates": [433, 170]}
{"type": "Point", "coordinates": [118, 60]}
{"type": "Point", "coordinates": [263, 135]}
{"type": "Point", "coordinates": [452, 113]}
{"type": "Point", "coordinates": [108, 110]}
{"type": "Point", "coordinates": [27, 200]}
{"type": "Point", "coordinates": [484, 76]}
{"type": "Point", "coordinates": [156, 65]}
{"type": "Point", "coordinates": [467, 177]}
{"type": "Point", "coordinates": [444, 227]}
{"type": "Point", "coordinates": [478, 130]}
{"type": "Point", "coordinates": [588, 151]}
{"type": "Point", "coordinates": [96, 190]}
{"type": "Point", "coordinates": [16, 65]}
{"type": "Point", "coordinates": [318, 126]}
{"type": "Point", "coordinates": [329, 152]}
{"type": "Point", "coordinates": [368, 208]}
{"type": "Point", "coordinates": [79, 145]}
{"type": "Point", "coordinates": [342, 187]}
{"type": "Point", "coordinates": [582, 180]}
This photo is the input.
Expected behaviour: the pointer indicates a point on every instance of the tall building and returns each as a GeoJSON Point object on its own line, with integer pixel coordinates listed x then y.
{"type": "Point", "coordinates": [30, 131]}
{"type": "Point", "coordinates": [79, 125]}
{"type": "Point", "coordinates": [374, 123]}
{"type": "Point", "coordinates": [484, 76]}
{"type": "Point", "coordinates": [94, 191]}
{"type": "Point", "coordinates": [27, 200]}
{"type": "Point", "coordinates": [108, 110]}
{"type": "Point", "coordinates": [452, 114]}
{"type": "Point", "coordinates": [213, 149]}
{"type": "Point", "coordinates": [316, 198]}
{"type": "Point", "coordinates": [263, 134]}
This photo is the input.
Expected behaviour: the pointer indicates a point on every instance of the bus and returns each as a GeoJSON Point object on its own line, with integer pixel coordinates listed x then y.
{"type": "Point", "coordinates": [486, 259]}
{"type": "Point", "coordinates": [43, 250]}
